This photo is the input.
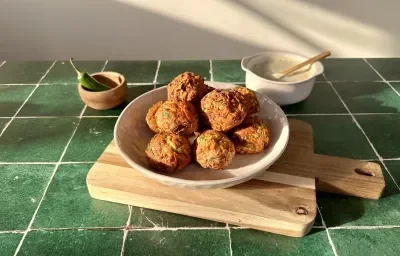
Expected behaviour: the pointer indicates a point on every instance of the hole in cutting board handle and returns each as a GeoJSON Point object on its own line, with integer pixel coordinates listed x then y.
{"type": "Point", "coordinates": [301, 211]}
{"type": "Point", "coordinates": [364, 172]}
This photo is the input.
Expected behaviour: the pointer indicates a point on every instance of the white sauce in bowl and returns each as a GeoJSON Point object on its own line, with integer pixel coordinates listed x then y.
{"type": "Point", "coordinates": [272, 69]}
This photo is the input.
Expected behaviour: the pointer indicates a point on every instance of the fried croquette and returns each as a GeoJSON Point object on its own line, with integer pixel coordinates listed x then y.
{"type": "Point", "coordinates": [151, 117]}
{"type": "Point", "coordinates": [249, 99]}
{"type": "Point", "coordinates": [213, 149]}
{"type": "Point", "coordinates": [222, 110]}
{"type": "Point", "coordinates": [251, 137]}
{"type": "Point", "coordinates": [168, 152]}
{"type": "Point", "coordinates": [187, 86]}
{"type": "Point", "coordinates": [177, 117]}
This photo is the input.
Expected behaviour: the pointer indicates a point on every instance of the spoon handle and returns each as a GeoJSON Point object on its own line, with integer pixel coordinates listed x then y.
{"type": "Point", "coordinates": [307, 62]}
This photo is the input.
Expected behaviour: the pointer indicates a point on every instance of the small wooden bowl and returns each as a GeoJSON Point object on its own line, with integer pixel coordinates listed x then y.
{"type": "Point", "coordinates": [105, 99]}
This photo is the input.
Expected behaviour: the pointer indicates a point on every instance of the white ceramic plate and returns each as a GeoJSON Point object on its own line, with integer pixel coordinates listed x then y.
{"type": "Point", "coordinates": [132, 135]}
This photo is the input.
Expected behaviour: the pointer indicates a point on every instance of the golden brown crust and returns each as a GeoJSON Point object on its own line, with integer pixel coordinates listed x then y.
{"type": "Point", "coordinates": [213, 149]}
{"type": "Point", "coordinates": [187, 86]}
{"type": "Point", "coordinates": [251, 137]}
{"type": "Point", "coordinates": [249, 99]}
{"type": "Point", "coordinates": [168, 152]}
{"type": "Point", "coordinates": [222, 110]}
{"type": "Point", "coordinates": [177, 117]}
{"type": "Point", "coordinates": [151, 117]}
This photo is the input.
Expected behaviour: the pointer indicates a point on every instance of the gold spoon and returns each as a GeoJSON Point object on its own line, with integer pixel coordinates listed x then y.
{"type": "Point", "coordinates": [305, 63]}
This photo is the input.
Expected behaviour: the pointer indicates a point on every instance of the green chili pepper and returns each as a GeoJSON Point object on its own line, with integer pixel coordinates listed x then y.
{"type": "Point", "coordinates": [88, 82]}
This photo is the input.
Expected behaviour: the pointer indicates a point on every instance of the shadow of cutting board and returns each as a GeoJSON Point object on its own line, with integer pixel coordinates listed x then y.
{"type": "Point", "coordinates": [282, 200]}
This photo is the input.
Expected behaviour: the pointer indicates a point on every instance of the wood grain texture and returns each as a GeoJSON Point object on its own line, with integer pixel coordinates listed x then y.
{"type": "Point", "coordinates": [255, 204]}
{"type": "Point", "coordinates": [270, 202]}
{"type": "Point", "coordinates": [333, 174]}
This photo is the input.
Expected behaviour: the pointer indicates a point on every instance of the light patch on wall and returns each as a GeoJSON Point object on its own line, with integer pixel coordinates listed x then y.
{"type": "Point", "coordinates": [281, 25]}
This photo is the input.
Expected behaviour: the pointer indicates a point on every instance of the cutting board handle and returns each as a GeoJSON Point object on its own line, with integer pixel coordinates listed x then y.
{"type": "Point", "coordinates": [348, 176]}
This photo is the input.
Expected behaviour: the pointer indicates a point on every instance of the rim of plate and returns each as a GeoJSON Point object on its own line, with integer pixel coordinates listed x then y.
{"type": "Point", "coordinates": [162, 177]}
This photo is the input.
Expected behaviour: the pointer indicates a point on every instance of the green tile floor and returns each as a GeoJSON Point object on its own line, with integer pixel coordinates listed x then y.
{"type": "Point", "coordinates": [49, 140]}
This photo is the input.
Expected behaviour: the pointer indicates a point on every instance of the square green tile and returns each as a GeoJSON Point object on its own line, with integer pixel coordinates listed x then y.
{"type": "Point", "coordinates": [62, 71]}
{"type": "Point", "coordinates": [228, 71]}
{"type": "Point", "coordinates": [91, 139]}
{"type": "Point", "coordinates": [170, 69]}
{"type": "Point", "coordinates": [394, 169]}
{"type": "Point", "coordinates": [181, 242]}
{"type": "Point", "coordinates": [134, 71]}
{"type": "Point", "coordinates": [361, 242]}
{"type": "Point", "coordinates": [72, 242]}
{"type": "Point", "coordinates": [338, 136]}
{"type": "Point", "coordinates": [20, 72]}
{"type": "Point", "coordinates": [389, 68]}
{"type": "Point", "coordinates": [53, 100]}
{"type": "Point", "coordinates": [22, 187]}
{"type": "Point", "coordinates": [253, 242]}
{"type": "Point", "coordinates": [368, 97]}
{"type": "Point", "coordinates": [322, 100]}
{"type": "Point", "coordinates": [349, 70]}
{"type": "Point", "coordinates": [36, 139]}
{"type": "Point", "coordinates": [320, 78]}
{"type": "Point", "coordinates": [3, 122]}
{"type": "Point", "coordinates": [340, 210]}
{"type": "Point", "coordinates": [147, 218]}
{"type": "Point", "coordinates": [134, 91]}
{"type": "Point", "coordinates": [383, 132]}
{"type": "Point", "coordinates": [12, 97]}
{"type": "Point", "coordinates": [68, 204]}
{"type": "Point", "coordinates": [9, 243]}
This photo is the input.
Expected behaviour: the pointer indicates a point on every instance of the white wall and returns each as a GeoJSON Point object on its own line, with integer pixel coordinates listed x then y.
{"type": "Point", "coordinates": [195, 29]}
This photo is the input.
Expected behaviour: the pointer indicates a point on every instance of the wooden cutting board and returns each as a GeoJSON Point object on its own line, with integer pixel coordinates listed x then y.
{"type": "Point", "coordinates": [281, 201]}
{"type": "Point", "coordinates": [333, 174]}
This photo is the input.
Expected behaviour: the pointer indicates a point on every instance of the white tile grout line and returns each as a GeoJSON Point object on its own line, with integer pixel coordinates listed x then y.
{"type": "Point", "coordinates": [241, 83]}
{"type": "Point", "coordinates": [12, 231]}
{"type": "Point", "coordinates": [211, 72]}
{"type": "Point", "coordinates": [365, 135]}
{"type": "Point", "coordinates": [289, 115]}
{"type": "Point", "coordinates": [104, 66]}
{"type": "Point", "coordinates": [236, 82]}
{"type": "Point", "coordinates": [140, 83]}
{"type": "Point", "coordinates": [42, 117]}
{"type": "Point", "coordinates": [342, 114]}
{"type": "Point", "coordinates": [157, 228]}
{"type": "Point", "coordinates": [156, 74]}
{"type": "Point", "coordinates": [100, 116]}
{"type": "Point", "coordinates": [128, 222]}
{"type": "Point", "coordinates": [327, 232]}
{"type": "Point", "coordinates": [48, 163]}
{"type": "Point", "coordinates": [384, 80]}
{"type": "Point", "coordinates": [230, 239]}
{"type": "Point", "coordinates": [92, 162]}
{"type": "Point", "coordinates": [23, 84]}
{"type": "Point", "coordinates": [391, 159]}
{"type": "Point", "coordinates": [147, 83]}
{"type": "Point", "coordinates": [26, 100]}
{"type": "Point", "coordinates": [48, 184]}
{"type": "Point", "coordinates": [350, 81]}
{"type": "Point", "coordinates": [187, 228]}
{"type": "Point", "coordinates": [367, 227]}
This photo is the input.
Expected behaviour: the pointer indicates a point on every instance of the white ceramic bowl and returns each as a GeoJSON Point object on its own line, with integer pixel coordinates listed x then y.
{"type": "Point", "coordinates": [283, 93]}
{"type": "Point", "coordinates": [132, 135]}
